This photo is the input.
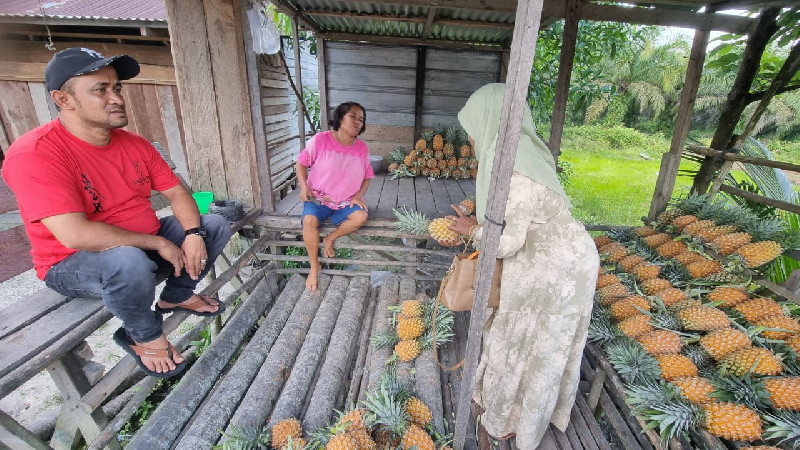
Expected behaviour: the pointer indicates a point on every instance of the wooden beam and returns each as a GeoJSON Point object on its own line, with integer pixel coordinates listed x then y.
{"type": "Point", "coordinates": [670, 162]}
{"type": "Point", "coordinates": [32, 71]}
{"type": "Point", "coordinates": [523, 47]}
{"type": "Point", "coordinates": [322, 85]}
{"type": "Point", "coordinates": [426, 30]}
{"type": "Point", "coordinates": [257, 118]}
{"type": "Point", "coordinates": [298, 76]}
{"type": "Point", "coordinates": [395, 40]}
{"type": "Point", "coordinates": [293, 12]}
{"type": "Point", "coordinates": [705, 151]}
{"type": "Point", "coordinates": [568, 39]}
{"type": "Point", "coordinates": [36, 19]}
{"type": "Point", "coordinates": [419, 91]}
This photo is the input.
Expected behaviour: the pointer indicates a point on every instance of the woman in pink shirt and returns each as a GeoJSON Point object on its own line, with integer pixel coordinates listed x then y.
{"type": "Point", "coordinates": [334, 172]}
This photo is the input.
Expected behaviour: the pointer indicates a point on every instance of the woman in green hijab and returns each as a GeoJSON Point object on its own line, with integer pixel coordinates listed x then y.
{"type": "Point", "coordinates": [530, 365]}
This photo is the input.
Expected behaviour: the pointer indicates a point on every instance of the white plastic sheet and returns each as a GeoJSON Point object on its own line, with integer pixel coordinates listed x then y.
{"type": "Point", "coordinates": [266, 39]}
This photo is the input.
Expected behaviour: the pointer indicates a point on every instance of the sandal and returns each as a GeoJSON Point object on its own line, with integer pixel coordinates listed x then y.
{"type": "Point", "coordinates": [192, 308]}
{"type": "Point", "coordinates": [122, 339]}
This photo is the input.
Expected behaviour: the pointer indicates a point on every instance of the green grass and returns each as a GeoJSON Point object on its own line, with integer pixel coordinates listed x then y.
{"type": "Point", "coordinates": [613, 182]}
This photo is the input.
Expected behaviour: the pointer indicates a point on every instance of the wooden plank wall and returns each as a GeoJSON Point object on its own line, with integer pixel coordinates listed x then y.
{"type": "Point", "coordinates": [153, 108]}
{"type": "Point", "coordinates": [281, 125]}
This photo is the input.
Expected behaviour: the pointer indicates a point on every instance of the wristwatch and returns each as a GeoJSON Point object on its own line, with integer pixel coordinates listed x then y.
{"type": "Point", "coordinates": [201, 231]}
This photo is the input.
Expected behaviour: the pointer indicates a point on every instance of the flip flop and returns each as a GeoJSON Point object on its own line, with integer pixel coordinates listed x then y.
{"type": "Point", "coordinates": [193, 307]}
{"type": "Point", "coordinates": [123, 340]}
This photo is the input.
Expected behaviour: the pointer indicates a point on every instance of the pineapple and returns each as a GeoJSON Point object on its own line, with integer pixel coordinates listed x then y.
{"type": "Point", "coordinates": [610, 247]}
{"type": "Point", "coordinates": [784, 392]}
{"type": "Point", "coordinates": [438, 155]}
{"type": "Point", "coordinates": [794, 343]}
{"type": "Point", "coordinates": [411, 308]}
{"type": "Point", "coordinates": [682, 221]}
{"type": "Point", "coordinates": [472, 163]}
{"type": "Point", "coordinates": [342, 441]}
{"type": "Point", "coordinates": [434, 173]}
{"type": "Point", "coordinates": [602, 240]}
{"type": "Point", "coordinates": [704, 268]}
{"type": "Point", "coordinates": [420, 145]}
{"type": "Point", "coordinates": [452, 162]}
{"type": "Point", "coordinates": [650, 287]}
{"type": "Point", "coordinates": [671, 296]}
{"type": "Point", "coordinates": [457, 174]}
{"type": "Point", "coordinates": [410, 328]}
{"type": "Point", "coordinates": [723, 342]}
{"type": "Point", "coordinates": [606, 279]}
{"type": "Point", "coordinates": [635, 326]}
{"type": "Point", "coordinates": [695, 389]}
{"type": "Point", "coordinates": [467, 206]}
{"type": "Point", "coordinates": [732, 421]}
{"type": "Point", "coordinates": [758, 308]}
{"type": "Point", "coordinates": [629, 306]}
{"type": "Point", "coordinates": [438, 142]}
{"type": "Point", "coordinates": [646, 271]}
{"type": "Point", "coordinates": [703, 318]}
{"type": "Point", "coordinates": [729, 243]}
{"type": "Point", "coordinates": [671, 248]}
{"type": "Point", "coordinates": [693, 228]}
{"type": "Point", "coordinates": [414, 222]}
{"type": "Point", "coordinates": [629, 262]}
{"type": "Point", "coordinates": [441, 164]}
{"type": "Point", "coordinates": [728, 296]}
{"type": "Point", "coordinates": [661, 342]}
{"type": "Point", "coordinates": [465, 151]}
{"type": "Point", "coordinates": [756, 360]}
{"type": "Point", "coordinates": [416, 438]}
{"type": "Point", "coordinates": [644, 231]}
{"type": "Point", "coordinates": [759, 253]}
{"type": "Point", "coordinates": [393, 167]}
{"type": "Point", "coordinates": [407, 350]}
{"type": "Point", "coordinates": [685, 304]}
{"type": "Point", "coordinates": [431, 163]}
{"type": "Point", "coordinates": [410, 158]}
{"type": "Point", "coordinates": [282, 430]}
{"type": "Point", "coordinates": [611, 293]}
{"type": "Point", "coordinates": [778, 326]}
{"type": "Point", "coordinates": [427, 153]}
{"type": "Point", "coordinates": [418, 411]}
{"type": "Point", "coordinates": [709, 234]}
{"type": "Point", "coordinates": [676, 366]}
{"type": "Point", "coordinates": [656, 239]}
{"type": "Point", "coordinates": [385, 408]}
{"type": "Point", "coordinates": [667, 216]}
{"type": "Point", "coordinates": [615, 253]}
{"type": "Point", "coordinates": [689, 257]}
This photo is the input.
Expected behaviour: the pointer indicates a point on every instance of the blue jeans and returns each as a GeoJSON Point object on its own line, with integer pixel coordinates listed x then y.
{"type": "Point", "coordinates": [322, 212]}
{"type": "Point", "coordinates": [125, 277]}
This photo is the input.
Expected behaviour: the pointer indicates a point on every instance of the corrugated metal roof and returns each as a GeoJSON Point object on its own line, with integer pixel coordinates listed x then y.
{"type": "Point", "coordinates": [96, 9]}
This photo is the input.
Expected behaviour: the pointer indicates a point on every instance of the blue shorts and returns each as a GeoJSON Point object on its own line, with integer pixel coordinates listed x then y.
{"type": "Point", "coordinates": [322, 212]}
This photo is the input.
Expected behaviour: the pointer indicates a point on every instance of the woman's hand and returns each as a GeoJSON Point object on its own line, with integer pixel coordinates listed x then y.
{"type": "Point", "coordinates": [462, 223]}
{"type": "Point", "coordinates": [305, 193]}
{"type": "Point", "coordinates": [452, 243]}
{"type": "Point", "coordinates": [358, 201]}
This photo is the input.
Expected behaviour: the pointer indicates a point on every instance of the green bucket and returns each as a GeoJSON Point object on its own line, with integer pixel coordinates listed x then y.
{"type": "Point", "coordinates": [203, 199]}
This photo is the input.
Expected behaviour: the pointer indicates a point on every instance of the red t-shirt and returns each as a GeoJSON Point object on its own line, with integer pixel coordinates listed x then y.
{"type": "Point", "coordinates": [53, 172]}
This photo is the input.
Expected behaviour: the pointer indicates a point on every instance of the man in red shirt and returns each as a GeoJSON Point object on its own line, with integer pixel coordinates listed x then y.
{"type": "Point", "coordinates": [83, 186]}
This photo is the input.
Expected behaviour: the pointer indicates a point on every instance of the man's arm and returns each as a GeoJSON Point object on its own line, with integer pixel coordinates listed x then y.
{"type": "Point", "coordinates": [184, 208]}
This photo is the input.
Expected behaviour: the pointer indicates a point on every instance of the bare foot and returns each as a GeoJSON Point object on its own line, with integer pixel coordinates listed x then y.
{"type": "Point", "coordinates": [328, 251]}
{"type": "Point", "coordinates": [311, 281]}
{"type": "Point", "coordinates": [157, 364]}
{"type": "Point", "coordinates": [211, 304]}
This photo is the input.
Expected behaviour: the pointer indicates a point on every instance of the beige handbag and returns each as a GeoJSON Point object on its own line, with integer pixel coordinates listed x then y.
{"type": "Point", "coordinates": [457, 291]}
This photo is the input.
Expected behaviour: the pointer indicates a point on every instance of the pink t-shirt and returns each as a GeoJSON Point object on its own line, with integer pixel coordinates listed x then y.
{"type": "Point", "coordinates": [336, 171]}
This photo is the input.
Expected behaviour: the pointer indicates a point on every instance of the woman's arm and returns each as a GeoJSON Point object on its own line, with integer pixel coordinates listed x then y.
{"type": "Point", "coordinates": [302, 180]}
{"type": "Point", "coordinates": [358, 198]}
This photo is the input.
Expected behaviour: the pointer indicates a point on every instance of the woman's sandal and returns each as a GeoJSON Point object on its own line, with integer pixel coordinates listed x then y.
{"type": "Point", "coordinates": [192, 308]}
{"type": "Point", "coordinates": [122, 339]}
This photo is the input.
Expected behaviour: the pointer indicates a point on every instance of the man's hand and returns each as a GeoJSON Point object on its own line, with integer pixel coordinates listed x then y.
{"type": "Point", "coordinates": [358, 201]}
{"type": "Point", "coordinates": [195, 255]}
{"type": "Point", "coordinates": [173, 254]}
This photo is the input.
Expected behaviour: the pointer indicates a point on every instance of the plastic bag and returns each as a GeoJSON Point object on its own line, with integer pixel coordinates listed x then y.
{"type": "Point", "coordinates": [266, 39]}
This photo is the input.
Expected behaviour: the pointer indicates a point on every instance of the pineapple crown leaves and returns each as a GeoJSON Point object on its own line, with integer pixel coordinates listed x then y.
{"type": "Point", "coordinates": [401, 172]}
{"type": "Point", "coordinates": [640, 396]}
{"type": "Point", "coordinates": [623, 235]}
{"type": "Point", "coordinates": [244, 438]}
{"type": "Point", "coordinates": [385, 407]}
{"type": "Point", "coordinates": [745, 390]}
{"type": "Point", "coordinates": [672, 419]}
{"type": "Point", "coordinates": [384, 339]}
{"type": "Point", "coordinates": [443, 328]}
{"type": "Point", "coordinates": [397, 155]}
{"type": "Point", "coordinates": [700, 357]}
{"type": "Point", "coordinates": [601, 330]}
{"type": "Point", "coordinates": [784, 427]}
{"type": "Point", "coordinates": [632, 362]}
{"type": "Point", "coordinates": [410, 221]}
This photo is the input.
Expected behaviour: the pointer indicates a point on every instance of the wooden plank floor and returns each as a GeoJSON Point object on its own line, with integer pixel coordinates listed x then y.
{"type": "Point", "coordinates": [433, 198]}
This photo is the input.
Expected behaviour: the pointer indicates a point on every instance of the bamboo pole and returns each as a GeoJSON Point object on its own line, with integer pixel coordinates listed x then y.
{"type": "Point", "coordinates": [523, 47]}
{"type": "Point", "coordinates": [298, 75]}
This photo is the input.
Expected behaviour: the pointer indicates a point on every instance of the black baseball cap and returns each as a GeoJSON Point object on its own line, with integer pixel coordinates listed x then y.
{"type": "Point", "coordinates": [80, 60]}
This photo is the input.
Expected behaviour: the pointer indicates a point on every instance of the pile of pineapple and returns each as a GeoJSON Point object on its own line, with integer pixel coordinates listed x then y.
{"type": "Point", "coordinates": [390, 417]}
{"type": "Point", "coordinates": [442, 153]}
{"type": "Point", "coordinates": [413, 329]}
{"type": "Point", "coordinates": [694, 343]}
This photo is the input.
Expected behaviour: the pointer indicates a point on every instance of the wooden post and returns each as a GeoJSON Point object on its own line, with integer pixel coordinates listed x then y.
{"type": "Point", "coordinates": [568, 39]}
{"type": "Point", "coordinates": [419, 93]}
{"type": "Point", "coordinates": [257, 116]}
{"type": "Point", "coordinates": [671, 161]}
{"type": "Point", "coordinates": [298, 76]}
{"type": "Point", "coordinates": [523, 47]}
{"type": "Point", "coordinates": [323, 85]}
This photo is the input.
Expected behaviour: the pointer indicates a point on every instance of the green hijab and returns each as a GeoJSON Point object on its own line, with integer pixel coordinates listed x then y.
{"type": "Point", "coordinates": [480, 118]}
